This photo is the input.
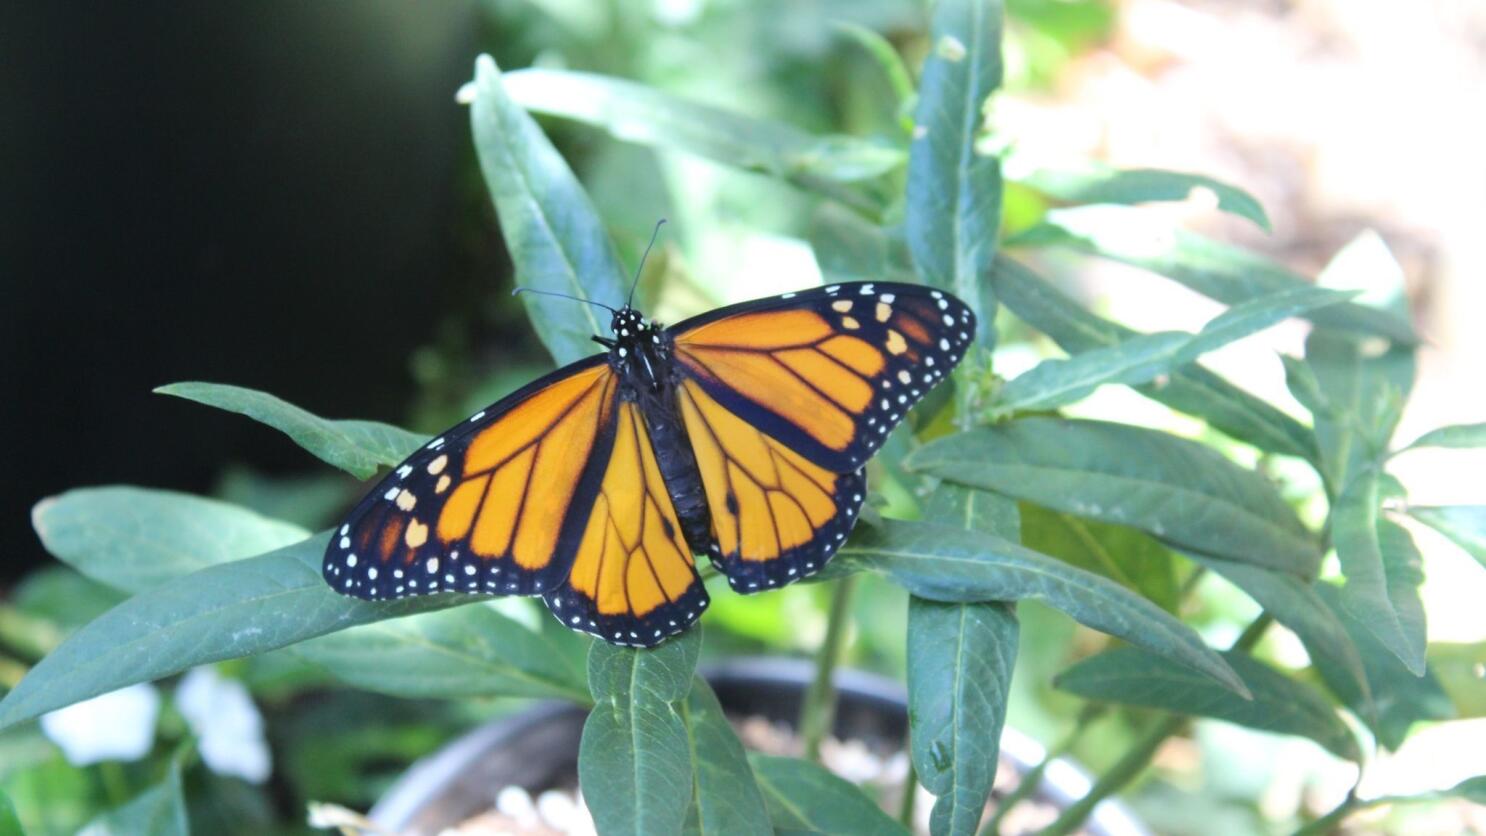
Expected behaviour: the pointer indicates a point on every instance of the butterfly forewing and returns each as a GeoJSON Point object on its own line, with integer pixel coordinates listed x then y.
{"type": "Point", "coordinates": [492, 505]}
{"type": "Point", "coordinates": [828, 372]}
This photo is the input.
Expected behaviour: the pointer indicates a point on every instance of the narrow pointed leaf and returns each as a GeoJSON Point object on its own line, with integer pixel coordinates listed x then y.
{"type": "Point", "coordinates": [644, 115]}
{"type": "Point", "coordinates": [1401, 697]}
{"type": "Point", "coordinates": [550, 227]}
{"type": "Point", "coordinates": [1190, 388]}
{"type": "Point", "coordinates": [1383, 571]}
{"type": "Point", "coordinates": [1465, 524]}
{"type": "Point", "coordinates": [1361, 387]}
{"type": "Point", "coordinates": [136, 538]}
{"type": "Point", "coordinates": [1055, 383]}
{"type": "Point", "coordinates": [1299, 607]}
{"type": "Point", "coordinates": [634, 763]}
{"type": "Point", "coordinates": [960, 660]}
{"type": "Point", "coordinates": [1226, 274]}
{"type": "Point", "coordinates": [1182, 493]}
{"type": "Point", "coordinates": [357, 447]}
{"type": "Point", "coordinates": [1455, 437]}
{"type": "Point", "coordinates": [158, 811]}
{"type": "Point", "coordinates": [221, 612]}
{"type": "Point", "coordinates": [470, 651]}
{"type": "Point", "coordinates": [804, 796]}
{"type": "Point", "coordinates": [956, 566]}
{"type": "Point", "coordinates": [954, 188]}
{"type": "Point", "coordinates": [1280, 704]}
{"type": "Point", "coordinates": [1102, 184]}
{"type": "Point", "coordinates": [727, 800]}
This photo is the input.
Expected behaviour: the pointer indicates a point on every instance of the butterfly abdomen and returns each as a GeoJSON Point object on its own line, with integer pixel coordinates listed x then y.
{"type": "Point", "coordinates": [678, 467]}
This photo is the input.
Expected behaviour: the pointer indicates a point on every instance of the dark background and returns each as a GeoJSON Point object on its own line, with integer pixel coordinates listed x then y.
{"type": "Point", "coordinates": [276, 195]}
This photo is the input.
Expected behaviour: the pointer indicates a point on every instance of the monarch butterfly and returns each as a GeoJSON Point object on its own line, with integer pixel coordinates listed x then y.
{"type": "Point", "coordinates": [740, 434]}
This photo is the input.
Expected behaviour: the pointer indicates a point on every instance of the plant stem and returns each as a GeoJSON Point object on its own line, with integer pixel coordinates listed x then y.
{"type": "Point", "coordinates": [1134, 761]}
{"type": "Point", "coordinates": [818, 711]}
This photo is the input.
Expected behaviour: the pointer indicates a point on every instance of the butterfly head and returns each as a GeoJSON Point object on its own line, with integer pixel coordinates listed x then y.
{"type": "Point", "coordinates": [628, 324]}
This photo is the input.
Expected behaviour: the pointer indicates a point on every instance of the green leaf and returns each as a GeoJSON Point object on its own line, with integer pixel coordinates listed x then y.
{"type": "Point", "coordinates": [644, 115]}
{"type": "Point", "coordinates": [1362, 386]}
{"type": "Point", "coordinates": [1054, 383]}
{"type": "Point", "coordinates": [954, 188]}
{"type": "Point", "coordinates": [1465, 524]}
{"type": "Point", "coordinates": [1095, 183]}
{"type": "Point", "coordinates": [1280, 704]}
{"type": "Point", "coordinates": [804, 796]}
{"type": "Point", "coordinates": [470, 651]}
{"type": "Point", "coordinates": [1190, 388]}
{"type": "Point", "coordinates": [728, 800]}
{"type": "Point", "coordinates": [960, 661]}
{"type": "Point", "coordinates": [953, 565]}
{"type": "Point", "coordinates": [136, 538]}
{"type": "Point", "coordinates": [1383, 571]}
{"type": "Point", "coordinates": [10, 823]}
{"type": "Point", "coordinates": [550, 227]}
{"type": "Point", "coordinates": [357, 447]}
{"type": "Point", "coordinates": [1181, 492]}
{"type": "Point", "coordinates": [1126, 556]}
{"type": "Point", "coordinates": [158, 811]}
{"type": "Point", "coordinates": [634, 763]}
{"type": "Point", "coordinates": [1471, 789]}
{"type": "Point", "coordinates": [1226, 274]}
{"type": "Point", "coordinates": [1400, 696]}
{"type": "Point", "coordinates": [1299, 607]}
{"type": "Point", "coordinates": [1455, 437]}
{"type": "Point", "coordinates": [221, 612]}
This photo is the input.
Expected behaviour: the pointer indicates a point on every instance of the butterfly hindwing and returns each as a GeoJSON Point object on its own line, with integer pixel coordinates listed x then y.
{"type": "Point", "coordinates": [633, 578]}
{"type": "Point", "coordinates": [828, 372]}
{"type": "Point", "coordinates": [776, 516]}
{"type": "Point", "coordinates": [492, 505]}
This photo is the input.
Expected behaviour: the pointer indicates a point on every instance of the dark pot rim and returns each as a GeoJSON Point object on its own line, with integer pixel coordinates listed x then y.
{"type": "Point", "coordinates": [767, 686]}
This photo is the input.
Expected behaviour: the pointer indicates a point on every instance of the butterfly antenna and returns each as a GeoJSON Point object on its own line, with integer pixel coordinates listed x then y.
{"type": "Point", "coordinates": [636, 283]}
{"type": "Point", "coordinates": [562, 296]}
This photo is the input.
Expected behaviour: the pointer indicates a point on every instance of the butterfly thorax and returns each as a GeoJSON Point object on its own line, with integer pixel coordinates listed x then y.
{"type": "Point", "coordinates": [641, 354]}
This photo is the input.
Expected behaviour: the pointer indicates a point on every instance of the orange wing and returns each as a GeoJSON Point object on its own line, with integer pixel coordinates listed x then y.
{"type": "Point", "coordinates": [785, 399]}
{"type": "Point", "coordinates": [776, 516]}
{"type": "Point", "coordinates": [829, 371]}
{"type": "Point", "coordinates": [633, 580]}
{"type": "Point", "coordinates": [495, 505]}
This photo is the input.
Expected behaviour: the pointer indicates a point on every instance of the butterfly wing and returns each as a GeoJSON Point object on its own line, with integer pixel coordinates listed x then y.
{"type": "Point", "coordinates": [494, 505]}
{"type": "Point", "coordinates": [633, 580]}
{"type": "Point", "coordinates": [784, 400]}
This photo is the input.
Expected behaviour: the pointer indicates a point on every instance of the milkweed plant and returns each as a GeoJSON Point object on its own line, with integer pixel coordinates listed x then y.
{"type": "Point", "coordinates": [988, 497]}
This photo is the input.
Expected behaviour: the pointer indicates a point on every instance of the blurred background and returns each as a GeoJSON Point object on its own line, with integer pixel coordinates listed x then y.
{"type": "Point", "coordinates": [284, 196]}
